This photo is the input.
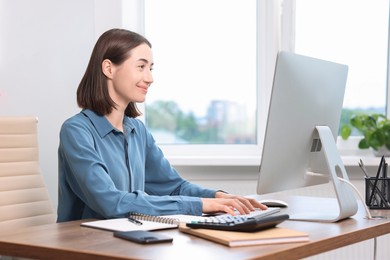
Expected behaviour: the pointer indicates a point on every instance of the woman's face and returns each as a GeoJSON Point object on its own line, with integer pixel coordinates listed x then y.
{"type": "Point", "coordinates": [129, 82]}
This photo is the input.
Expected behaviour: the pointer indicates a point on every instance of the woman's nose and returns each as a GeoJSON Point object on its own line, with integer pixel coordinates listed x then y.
{"type": "Point", "coordinates": [149, 78]}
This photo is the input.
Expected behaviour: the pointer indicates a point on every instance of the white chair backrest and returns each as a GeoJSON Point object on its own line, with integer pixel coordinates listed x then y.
{"type": "Point", "coordinates": [24, 198]}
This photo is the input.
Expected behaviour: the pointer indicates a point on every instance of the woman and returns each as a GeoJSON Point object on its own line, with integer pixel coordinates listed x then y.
{"type": "Point", "coordinates": [109, 163]}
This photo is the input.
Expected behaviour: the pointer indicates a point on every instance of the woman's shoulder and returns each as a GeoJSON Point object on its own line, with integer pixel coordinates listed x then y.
{"type": "Point", "coordinates": [78, 122]}
{"type": "Point", "coordinates": [78, 118]}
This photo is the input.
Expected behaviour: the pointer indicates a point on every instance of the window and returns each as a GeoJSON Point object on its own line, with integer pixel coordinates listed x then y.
{"type": "Point", "coordinates": [205, 71]}
{"type": "Point", "coordinates": [352, 32]}
{"type": "Point", "coordinates": [205, 88]}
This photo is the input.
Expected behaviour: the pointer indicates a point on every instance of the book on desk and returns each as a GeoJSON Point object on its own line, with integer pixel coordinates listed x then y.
{"type": "Point", "coordinates": [276, 235]}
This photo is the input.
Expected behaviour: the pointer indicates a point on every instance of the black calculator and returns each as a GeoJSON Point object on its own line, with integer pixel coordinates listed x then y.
{"type": "Point", "coordinates": [239, 223]}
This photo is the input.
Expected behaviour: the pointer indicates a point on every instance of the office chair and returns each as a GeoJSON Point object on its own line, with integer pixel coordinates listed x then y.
{"type": "Point", "coordinates": [24, 198]}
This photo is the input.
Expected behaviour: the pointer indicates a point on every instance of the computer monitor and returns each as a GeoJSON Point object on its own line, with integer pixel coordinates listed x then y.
{"type": "Point", "coordinates": [300, 139]}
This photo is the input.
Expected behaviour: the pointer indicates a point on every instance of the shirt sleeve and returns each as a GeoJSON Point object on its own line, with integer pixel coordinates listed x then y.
{"type": "Point", "coordinates": [163, 179]}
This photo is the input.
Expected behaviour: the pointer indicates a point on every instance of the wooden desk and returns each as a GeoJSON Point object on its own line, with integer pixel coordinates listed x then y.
{"type": "Point", "coordinates": [70, 241]}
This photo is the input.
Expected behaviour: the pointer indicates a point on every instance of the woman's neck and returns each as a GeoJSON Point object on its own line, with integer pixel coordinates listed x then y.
{"type": "Point", "coordinates": [116, 119]}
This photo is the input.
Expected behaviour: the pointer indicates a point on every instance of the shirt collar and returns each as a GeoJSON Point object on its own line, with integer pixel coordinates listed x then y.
{"type": "Point", "coordinates": [103, 126]}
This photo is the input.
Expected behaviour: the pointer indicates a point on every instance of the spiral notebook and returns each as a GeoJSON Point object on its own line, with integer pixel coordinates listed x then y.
{"type": "Point", "coordinates": [146, 222]}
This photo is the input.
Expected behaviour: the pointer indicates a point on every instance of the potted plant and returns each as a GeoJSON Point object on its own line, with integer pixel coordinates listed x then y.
{"type": "Point", "coordinates": [375, 129]}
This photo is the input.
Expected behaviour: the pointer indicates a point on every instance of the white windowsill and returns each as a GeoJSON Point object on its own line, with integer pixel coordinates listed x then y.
{"type": "Point", "coordinates": [348, 150]}
{"type": "Point", "coordinates": [348, 160]}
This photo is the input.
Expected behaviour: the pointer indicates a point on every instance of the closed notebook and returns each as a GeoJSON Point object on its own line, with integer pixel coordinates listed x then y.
{"type": "Point", "coordinates": [277, 235]}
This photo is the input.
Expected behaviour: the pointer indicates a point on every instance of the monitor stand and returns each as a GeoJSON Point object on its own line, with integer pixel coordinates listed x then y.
{"type": "Point", "coordinates": [345, 197]}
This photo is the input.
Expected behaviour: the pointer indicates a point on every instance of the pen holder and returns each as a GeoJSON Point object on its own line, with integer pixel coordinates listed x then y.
{"type": "Point", "coordinates": [378, 193]}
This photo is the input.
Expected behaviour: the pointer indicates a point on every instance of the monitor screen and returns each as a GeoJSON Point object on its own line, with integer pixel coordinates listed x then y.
{"type": "Point", "coordinates": [306, 93]}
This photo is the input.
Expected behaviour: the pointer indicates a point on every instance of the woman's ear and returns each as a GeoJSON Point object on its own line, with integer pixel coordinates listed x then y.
{"type": "Point", "coordinates": [107, 68]}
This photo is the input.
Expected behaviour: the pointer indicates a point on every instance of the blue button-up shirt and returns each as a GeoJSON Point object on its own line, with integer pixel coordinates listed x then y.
{"type": "Point", "coordinates": [106, 173]}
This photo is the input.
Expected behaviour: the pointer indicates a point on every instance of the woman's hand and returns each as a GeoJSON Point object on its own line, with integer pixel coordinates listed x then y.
{"type": "Point", "coordinates": [224, 202]}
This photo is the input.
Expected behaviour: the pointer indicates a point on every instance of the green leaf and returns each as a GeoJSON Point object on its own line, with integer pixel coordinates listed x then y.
{"type": "Point", "coordinates": [345, 132]}
{"type": "Point", "coordinates": [363, 144]}
{"type": "Point", "coordinates": [376, 139]}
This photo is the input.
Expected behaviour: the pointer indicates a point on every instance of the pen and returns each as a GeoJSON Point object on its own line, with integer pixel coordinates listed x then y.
{"type": "Point", "coordinates": [376, 180]}
{"type": "Point", "coordinates": [384, 174]}
{"type": "Point", "coordinates": [361, 165]}
{"type": "Point", "coordinates": [135, 221]}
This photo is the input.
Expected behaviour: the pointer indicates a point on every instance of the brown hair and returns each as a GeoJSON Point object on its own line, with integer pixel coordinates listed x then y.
{"type": "Point", "coordinates": [92, 92]}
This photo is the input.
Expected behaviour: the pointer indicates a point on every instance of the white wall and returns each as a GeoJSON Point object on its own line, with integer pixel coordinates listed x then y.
{"type": "Point", "coordinates": [44, 49]}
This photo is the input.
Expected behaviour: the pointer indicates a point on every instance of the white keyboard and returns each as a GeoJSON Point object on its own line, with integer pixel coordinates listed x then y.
{"type": "Point", "coordinates": [258, 213]}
